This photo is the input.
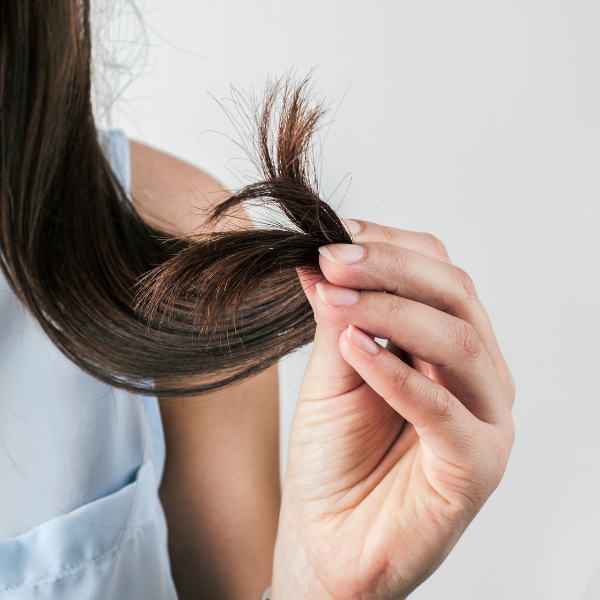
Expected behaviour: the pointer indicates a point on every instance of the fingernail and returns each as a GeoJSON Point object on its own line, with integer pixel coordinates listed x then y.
{"type": "Point", "coordinates": [343, 254]}
{"type": "Point", "coordinates": [362, 340]}
{"type": "Point", "coordinates": [352, 226]}
{"type": "Point", "coordinates": [334, 295]}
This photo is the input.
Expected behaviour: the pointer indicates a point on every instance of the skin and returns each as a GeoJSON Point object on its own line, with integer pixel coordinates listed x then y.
{"type": "Point", "coordinates": [389, 460]}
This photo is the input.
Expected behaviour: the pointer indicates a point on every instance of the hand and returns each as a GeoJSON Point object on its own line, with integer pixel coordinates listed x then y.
{"type": "Point", "coordinates": [393, 450]}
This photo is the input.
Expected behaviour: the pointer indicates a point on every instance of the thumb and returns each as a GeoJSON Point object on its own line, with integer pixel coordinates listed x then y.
{"type": "Point", "coordinates": [327, 374]}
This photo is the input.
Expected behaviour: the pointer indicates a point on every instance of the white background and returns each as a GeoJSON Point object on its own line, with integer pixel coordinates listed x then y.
{"type": "Point", "coordinates": [482, 120]}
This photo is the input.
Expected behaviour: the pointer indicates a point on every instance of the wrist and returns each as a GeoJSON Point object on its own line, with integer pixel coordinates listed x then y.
{"type": "Point", "coordinates": [294, 577]}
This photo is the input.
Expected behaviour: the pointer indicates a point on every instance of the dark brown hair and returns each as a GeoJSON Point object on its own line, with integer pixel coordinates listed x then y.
{"type": "Point", "coordinates": [210, 309]}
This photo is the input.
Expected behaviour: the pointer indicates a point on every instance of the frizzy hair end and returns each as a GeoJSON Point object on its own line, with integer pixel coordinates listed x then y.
{"type": "Point", "coordinates": [133, 306]}
{"type": "Point", "coordinates": [225, 280]}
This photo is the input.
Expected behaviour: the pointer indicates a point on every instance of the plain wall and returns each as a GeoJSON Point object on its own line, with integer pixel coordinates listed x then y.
{"type": "Point", "coordinates": [481, 122]}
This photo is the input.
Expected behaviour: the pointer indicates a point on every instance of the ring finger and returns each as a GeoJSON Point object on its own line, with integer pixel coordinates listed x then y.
{"type": "Point", "coordinates": [452, 345]}
{"type": "Point", "coordinates": [379, 266]}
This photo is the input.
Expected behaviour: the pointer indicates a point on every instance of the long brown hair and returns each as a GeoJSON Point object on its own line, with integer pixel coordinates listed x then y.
{"type": "Point", "coordinates": [210, 309]}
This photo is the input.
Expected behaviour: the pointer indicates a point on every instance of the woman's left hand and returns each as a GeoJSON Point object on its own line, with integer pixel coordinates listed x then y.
{"type": "Point", "coordinates": [392, 452]}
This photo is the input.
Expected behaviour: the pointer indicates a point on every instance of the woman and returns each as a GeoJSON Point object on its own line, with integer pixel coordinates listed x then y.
{"type": "Point", "coordinates": [392, 452]}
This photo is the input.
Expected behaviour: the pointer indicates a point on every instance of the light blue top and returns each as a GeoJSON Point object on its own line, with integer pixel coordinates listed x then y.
{"type": "Point", "coordinates": [80, 466]}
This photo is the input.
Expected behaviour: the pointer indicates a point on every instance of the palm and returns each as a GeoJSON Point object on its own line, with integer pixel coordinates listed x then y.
{"type": "Point", "coordinates": [373, 503]}
{"type": "Point", "coordinates": [371, 485]}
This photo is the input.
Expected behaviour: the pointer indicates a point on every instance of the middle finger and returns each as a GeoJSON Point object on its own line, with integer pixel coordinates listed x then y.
{"type": "Point", "coordinates": [379, 266]}
{"type": "Point", "coordinates": [464, 367]}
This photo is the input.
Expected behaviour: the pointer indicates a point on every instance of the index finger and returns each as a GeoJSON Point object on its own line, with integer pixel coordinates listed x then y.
{"type": "Point", "coordinates": [425, 243]}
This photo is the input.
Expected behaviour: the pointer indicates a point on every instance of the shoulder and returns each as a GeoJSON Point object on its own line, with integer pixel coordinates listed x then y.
{"type": "Point", "coordinates": [168, 192]}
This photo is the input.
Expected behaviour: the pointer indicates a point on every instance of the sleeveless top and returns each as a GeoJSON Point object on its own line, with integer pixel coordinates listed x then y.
{"type": "Point", "coordinates": [80, 466]}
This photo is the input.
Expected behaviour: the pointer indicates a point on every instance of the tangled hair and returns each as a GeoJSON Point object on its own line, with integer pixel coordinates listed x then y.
{"type": "Point", "coordinates": [133, 306]}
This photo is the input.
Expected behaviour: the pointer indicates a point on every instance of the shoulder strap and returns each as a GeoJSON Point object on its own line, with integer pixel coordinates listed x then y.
{"type": "Point", "coordinates": [116, 148]}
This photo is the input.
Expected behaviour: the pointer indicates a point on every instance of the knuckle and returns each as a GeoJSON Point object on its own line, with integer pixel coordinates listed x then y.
{"type": "Point", "coordinates": [465, 283]}
{"type": "Point", "coordinates": [439, 249]}
{"type": "Point", "coordinates": [466, 339]}
{"type": "Point", "coordinates": [483, 472]}
{"type": "Point", "coordinates": [401, 377]}
{"type": "Point", "coordinates": [397, 308]}
{"type": "Point", "coordinates": [387, 235]}
{"type": "Point", "coordinates": [399, 260]}
{"type": "Point", "coordinates": [509, 438]}
{"type": "Point", "coordinates": [511, 388]}
{"type": "Point", "coordinates": [395, 262]}
{"type": "Point", "coordinates": [394, 309]}
{"type": "Point", "coordinates": [501, 454]}
{"type": "Point", "coordinates": [462, 510]}
{"type": "Point", "coordinates": [441, 404]}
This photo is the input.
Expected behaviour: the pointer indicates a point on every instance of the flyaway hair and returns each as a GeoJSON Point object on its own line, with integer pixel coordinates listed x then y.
{"type": "Point", "coordinates": [242, 285]}
{"type": "Point", "coordinates": [133, 306]}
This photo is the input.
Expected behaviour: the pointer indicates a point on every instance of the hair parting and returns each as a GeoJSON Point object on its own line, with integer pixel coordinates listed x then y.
{"type": "Point", "coordinates": [133, 306]}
